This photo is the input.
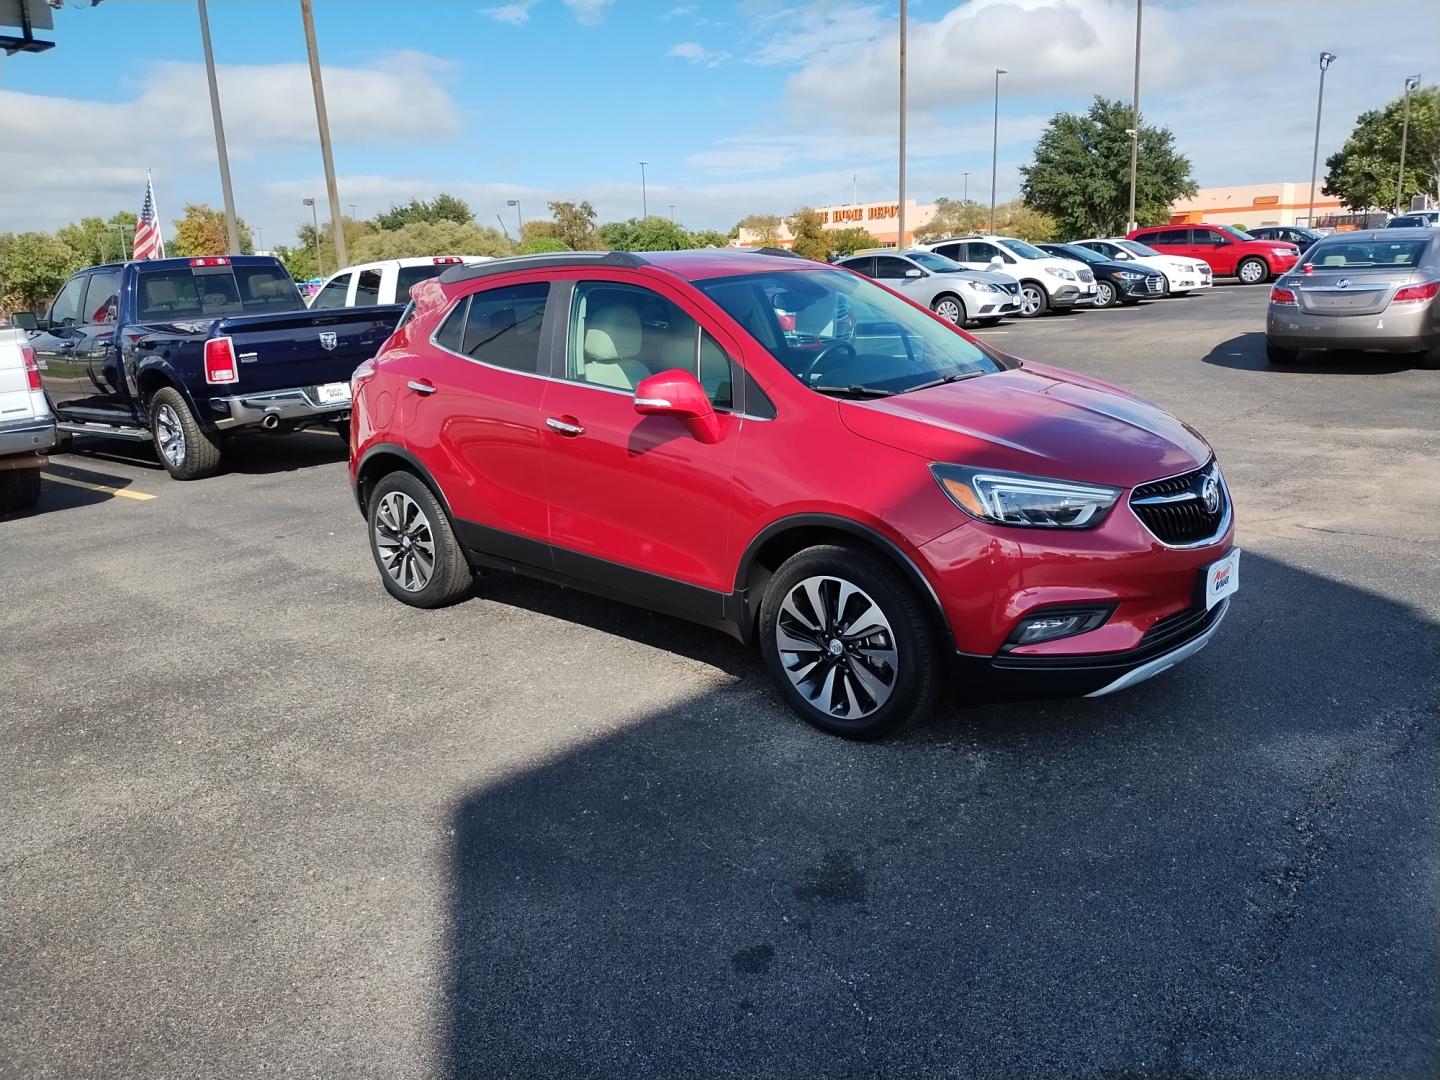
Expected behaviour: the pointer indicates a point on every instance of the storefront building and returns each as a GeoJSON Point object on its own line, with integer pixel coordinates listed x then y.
{"type": "Point", "coordinates": [1284, 203]}
{"type": "Point", "coordinates": [881, 220]}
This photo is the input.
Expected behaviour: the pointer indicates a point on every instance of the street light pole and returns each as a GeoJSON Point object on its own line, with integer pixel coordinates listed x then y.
{"type": "Point", "coordinates": [1135, 121]}
{"type": "Point", "coordinates": [900, 214]}
{"type": "Point", "coordinates": [323, 119]}
{"type": "Point", "coordinates": [672, 213]}
{"type": "Point", "coordinates": [315, 221]}
{"type": "Point", "coordinates": [644, 198]}
{"type": "Point", "coordinates": [965, 198]}
{"type": "Point", "coordinates": [232, 228]}
{"type": "Point", "coordinates": [1411, 83]}
{"type": "Point", "coordinates": [1326, 59]}
{"type": "Point", "coordinates": [995, 146]}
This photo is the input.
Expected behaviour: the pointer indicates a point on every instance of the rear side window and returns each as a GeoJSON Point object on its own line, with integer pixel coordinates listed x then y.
{"type": "Point", "coordinates": [864, 266]}
{"type": "Point", "coordinates": [889, 268]}
{"type": "Point", "coordinates": [100, 297]}
{"type": "Point", "coordinates": [332, 295]}
{"type": "Point", "coordinates": [952, 251]}
{"type": "Point", "coordinates": [367, 289]}
{"type": "Point", "coordinates": [452, 330]}
{"type": "Point", "coordinates": [499, 326]}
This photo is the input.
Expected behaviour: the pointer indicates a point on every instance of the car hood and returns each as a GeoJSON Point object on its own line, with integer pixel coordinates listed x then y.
{"type": "Point", "coordinates": [994, 277]}
{"type": "Point", "coordinates": [1038, 420]}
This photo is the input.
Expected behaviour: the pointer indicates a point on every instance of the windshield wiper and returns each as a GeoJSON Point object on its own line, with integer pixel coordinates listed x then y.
{"type": "Point", "coordinates": [855, 391]}
{"type": "Point", "coordinates": [957, 377]}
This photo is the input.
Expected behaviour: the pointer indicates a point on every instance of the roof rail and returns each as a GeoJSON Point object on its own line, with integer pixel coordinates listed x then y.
{"type": "Point", "coordinates": [471, 271]}
{"type": "Point", "coordinates": [784, 253]}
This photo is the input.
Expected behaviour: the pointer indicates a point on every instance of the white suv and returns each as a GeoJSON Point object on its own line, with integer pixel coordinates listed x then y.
{"type": "Point", "coordinates": [386, 282]}
{"type": "Point", "coordinates": [1181, 275]}
{"type": "Point", "coordinates": [27, 426]}
{"type": "Point", "coordinates": [1046, 283]}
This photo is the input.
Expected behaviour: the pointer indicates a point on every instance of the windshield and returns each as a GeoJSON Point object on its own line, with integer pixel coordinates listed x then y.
{"type": "Point", "coordinates": [843, 334]}
{"type": "Point", "coordinates": [1024, 250]}
{"type": "Point", "coordinates": [1137, 248]}
{"type": "Point", "coordinates": [1075, 251]}
{"type": "Point", "coordinates": [1235, 234]}
{"type": "Point", "coordinates": [1353, 253]}
{"type": "Point", "coordinates": [191, 292]}
{"type": "Point", "coordinates": [930, 261]}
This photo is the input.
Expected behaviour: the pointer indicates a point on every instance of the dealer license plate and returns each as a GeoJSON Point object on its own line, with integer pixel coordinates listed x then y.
{"type": "Point", "coordinates": [1222, 579]}
{"type": "Point", "coordinates": [330, 393]}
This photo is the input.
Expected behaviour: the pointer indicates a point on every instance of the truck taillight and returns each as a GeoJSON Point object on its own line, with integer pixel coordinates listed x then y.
{"type": "Point", "coordinates": [32, 369]}
{"type": "Point", "coordinates": [445, 260]}
{"type": "Point", "coordinates": [215, 260]}
{"type": "Point", "coordinates": [1414, 294]}
{"type": "Point", "coordinates": [220, 366]}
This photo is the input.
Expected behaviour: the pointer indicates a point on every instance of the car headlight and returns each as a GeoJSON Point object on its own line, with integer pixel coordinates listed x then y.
{"type": "Point", "coordinates": [1128, 275]}
{"type": "Point", "coordinates": [1003, 498]}
{"type": "Point", "coordinates": [1060, 272]}
{"type": "Point", "coordinates": [978, 286]}
{"type": "Point", "coordinates": [1282, 251]}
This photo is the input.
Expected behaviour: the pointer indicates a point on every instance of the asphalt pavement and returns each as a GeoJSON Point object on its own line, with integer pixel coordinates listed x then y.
{"type": "Point", "coordinates": [260, 819]}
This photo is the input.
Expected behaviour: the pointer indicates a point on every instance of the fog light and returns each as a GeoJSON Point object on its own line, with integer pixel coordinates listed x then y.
{"type": "Point", "coordinates": [1053, 624]}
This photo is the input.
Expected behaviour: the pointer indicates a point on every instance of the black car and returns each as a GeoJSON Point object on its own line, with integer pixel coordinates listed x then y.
{"type": "Point", "coordinates": [1115, 282]}
{"type": "Point", "coordinates": [1290, 234]}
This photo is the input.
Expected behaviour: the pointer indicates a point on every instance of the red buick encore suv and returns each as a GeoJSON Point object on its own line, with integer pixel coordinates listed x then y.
{"type": "Point", "coordinates": [795, 454]}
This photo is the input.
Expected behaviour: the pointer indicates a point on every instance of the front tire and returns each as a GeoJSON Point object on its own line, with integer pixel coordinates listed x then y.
{"type": "Point", "coordinates": [993, 321]}
{"type": "Point", "coordinates": [184, 449]}
{"type": "Point", "coordinates": [1106, 295]}
{"type": "Point", "coordinates": [1034, 300]}
{"type": "Point", "coordinates": [1430, 359]}
{"type": "Point", "coordinates": [848, 643]}
{"type": "Point", "coordinates": [1279, 356]}
{"type": "Point", "coordinates": [19, 489]}
{"type": "Point", "coordinates": [950, 308]}
{"type": "Point", "coordinates": [415, 549]}
{"type": "Point", "coordinates": [1252, 271]}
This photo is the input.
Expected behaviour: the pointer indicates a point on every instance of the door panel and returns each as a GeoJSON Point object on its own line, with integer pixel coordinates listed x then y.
{"type": "Point", "coordinates": [64, 367]}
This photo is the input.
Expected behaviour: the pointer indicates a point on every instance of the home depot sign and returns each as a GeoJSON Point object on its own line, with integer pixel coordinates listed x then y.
{"type": "Point", "coordinates": [847, 215]}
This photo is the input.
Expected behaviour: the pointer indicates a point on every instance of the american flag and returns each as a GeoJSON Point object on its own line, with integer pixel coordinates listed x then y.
{"type": "Point", "coordinates": [148, 242]}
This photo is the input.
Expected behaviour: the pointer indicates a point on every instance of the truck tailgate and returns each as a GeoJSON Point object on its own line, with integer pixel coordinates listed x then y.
{"type": "Point", "coordinates": [17, 401]}
{"type": "Point", "coordinates": [306, 348]}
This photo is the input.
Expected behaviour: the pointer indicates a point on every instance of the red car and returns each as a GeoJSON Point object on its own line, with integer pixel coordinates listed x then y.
{"type": "Point", "coordinates": [799, 456]}
{"type": "Point", "coordinates": [1230, 252]}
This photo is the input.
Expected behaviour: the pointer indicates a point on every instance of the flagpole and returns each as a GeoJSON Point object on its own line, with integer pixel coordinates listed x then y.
{"type": "Point", "coordinates": [155, 208]}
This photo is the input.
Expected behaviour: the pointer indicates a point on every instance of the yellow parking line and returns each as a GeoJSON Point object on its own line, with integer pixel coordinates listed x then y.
{"type": "Point", "coordinates": [139, 496]}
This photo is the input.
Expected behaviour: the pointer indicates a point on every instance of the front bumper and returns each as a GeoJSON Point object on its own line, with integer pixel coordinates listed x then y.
{"type": "Point", "coordinates": [1400, 328]}
{"type": "Point", "coordinates": [28, 436]}
{"type": "Point", "coordinates": [297, 404]}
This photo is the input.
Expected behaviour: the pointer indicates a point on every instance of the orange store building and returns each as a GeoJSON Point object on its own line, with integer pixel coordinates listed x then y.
{"type": "Point", "coordinates": [880, 220]}
{"type": "Point", "coordinates": [1286, 203]}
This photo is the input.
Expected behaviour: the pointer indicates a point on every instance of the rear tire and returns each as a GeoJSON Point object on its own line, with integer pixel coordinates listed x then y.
{"type": "Point", "coordinates": [1280, 357]}
{"type": "Point", "coordinates": [19, 489]}
{"type": "Point", "coordinates": [1106, 295]}
{"type": "Point", "coordinates": [995, 321]}
{"type": "Point", "coordinates": [1034, 300]}
{"type": "Point", "coordinates": [858, 687]}
{"type": "Point", "coordinates": [1252, 271]}
{"type": "Point", "coordinates": [183, 448]}
{"type": "Point", "coordinates": [950, 308]}
{"type": "Point", "coordinates": [415, 549]}
{"type": "Point", "coordinates": [1430, 359]}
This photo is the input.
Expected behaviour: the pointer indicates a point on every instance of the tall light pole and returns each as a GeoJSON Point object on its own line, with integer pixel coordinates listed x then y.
{"type": "Point", "coordinates": [995, 146]}
{"type": "Point", "coordinates": [965, 198]}
{"type": "Point", "coordinates": [1135, 121]}
{"type": "Point", "coordinates": [644, 198]}
{"type": "Point", "coordinates": [1411, 83]}
{"type": "Point", "coordinates": [353, 215]}
{"type": "Point", "coordinates": [232, 228]}
{"type": "Point", "coordinates": [900, 214]}
{"type": "Point", "coordinates": [1326, 59]}
{"type": "Point", "coordinates": [259, 239]}
{"type": "Point", "coordinates": [315, 221]}
{"type": "Point", "coordinates": [321, 118]}
{"type": "Point", "coordinates": [672, 213]}
{"type": "Point", "coordinates": [519, 219]}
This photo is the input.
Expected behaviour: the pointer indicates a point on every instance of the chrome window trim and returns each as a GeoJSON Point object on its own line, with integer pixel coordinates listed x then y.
{"type": "Point", "coordinates": [1225, 521]}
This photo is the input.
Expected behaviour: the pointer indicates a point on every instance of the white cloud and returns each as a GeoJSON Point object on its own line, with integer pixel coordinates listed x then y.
{"type": "Point", "coordinates": [515, 14]}
{"type": "Point", "coordinates": [588, 12]}
{"type": "Point", "coordinates": [680, 11]}
{"type": "Point", "coordinates": [696, 53]}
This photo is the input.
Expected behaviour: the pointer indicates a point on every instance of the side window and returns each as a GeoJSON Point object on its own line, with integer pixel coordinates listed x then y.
{"type": "Point", "coordinates": [1204, 236]}
{"type": "Point", "coordinates": [453, 329]}
{"type": "Point", "coordinates": [952, 251]}
{"type": "Point", "coordinates": [65, 311]}
{"type": "Point", "coordinates": [367, 289]}
{"type": "Point", "coordinates": [889, 268]}
{"type": "Point", "coordinates": [864, 266]}
{"type": "Point", "coordinates": [502, 326]}
{"type": "Point", "coordinates": [620, 335]}
{"type": "Point", "coordinates": [100, 297]}
{"type": "Point", "coordinates": [983, 252]}
{"type": "Point", "coordinates": [332, 294]}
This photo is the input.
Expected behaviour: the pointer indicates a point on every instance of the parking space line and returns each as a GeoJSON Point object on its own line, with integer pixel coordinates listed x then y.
{"type": "Point", "coordinates": [104, 489]}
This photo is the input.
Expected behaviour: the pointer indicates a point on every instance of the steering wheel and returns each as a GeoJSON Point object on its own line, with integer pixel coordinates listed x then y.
{"type": "Point", "coordinates": [833, 347]}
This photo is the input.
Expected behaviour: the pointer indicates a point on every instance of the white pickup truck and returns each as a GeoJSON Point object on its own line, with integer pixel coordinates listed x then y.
{"type": "Point", "coordinates": [386, 282]}
{"type": "Point", "coordinates": [27, 426]}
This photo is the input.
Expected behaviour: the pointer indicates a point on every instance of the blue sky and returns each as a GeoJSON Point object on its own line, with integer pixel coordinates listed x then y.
{"type": "Point", "coordinates": [738, 105]}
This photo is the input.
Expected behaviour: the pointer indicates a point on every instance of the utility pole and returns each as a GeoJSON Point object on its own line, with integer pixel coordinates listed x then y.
{"type": "Point", "coordinates": [644, 198]}
{"type": "Point", "coordinates": [232, 227]}
{"type": "Point", "coordinates": [672, 213]}
{"type": "Point", "coordinates": [900, 231]}
{"type": "Point", "coordinates": [1411, 83]}
{"type": "Point", "coordinates": [1326, 59]}
{"type": "Point", "coordinates": [336, 225]}
{"type": "Point", "coordinates": [1135, 121]}
{"type": "Point", "coordinates": [315, 220]}
{"type": "Point", "coordinates": [995, 146]}
{"type": "Point", "coordinates": [965, 198]}
{"type": "Point", "coordinates": [519, 219]}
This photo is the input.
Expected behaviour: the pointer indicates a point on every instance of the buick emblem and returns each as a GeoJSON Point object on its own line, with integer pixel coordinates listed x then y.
{"type": "Point", "coordinates": [327, 340]}
{"type": "Point", "coordinates": [1343, 283]}
{"type": "Point", "coordinates": [1210, 495]}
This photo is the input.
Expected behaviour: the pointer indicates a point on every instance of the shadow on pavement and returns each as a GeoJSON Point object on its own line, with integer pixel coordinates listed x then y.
{"type": "Point", "coordinates": [56, 494]}
{"type": "Point", "coordinates": [246, 454]}
{"type": "Point", "coordinates": [1247, 353]}
{"type": "Point", "coordinates": [1227, 871]}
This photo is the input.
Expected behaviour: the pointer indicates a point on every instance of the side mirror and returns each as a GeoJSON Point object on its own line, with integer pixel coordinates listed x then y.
{"type": "Point", "coordinates": [913, 273]}
{"type": "Point", "coordinates": [24, 320]}
{"type": "Point", "coordinates": [679, 394]}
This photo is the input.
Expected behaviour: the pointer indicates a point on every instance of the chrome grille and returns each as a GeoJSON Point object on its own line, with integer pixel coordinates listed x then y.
{"type": "Point", "coordinates": [1154, 284]}
{"type": "Point", "coordinates": [1175, 510]}
{"type": "Point", "coordinates": [1086, 275]}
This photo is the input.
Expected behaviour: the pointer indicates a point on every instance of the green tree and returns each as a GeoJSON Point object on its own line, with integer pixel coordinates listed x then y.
{"type": "Point", "coordinates": [809, 235]}
{"type": "Point", "coordinates": [431, 238]}
{"type": "Point", "coordinates": [539, 245]}
{"type": "Point", "coordinates": [1081, 172]}
{"type": "Point", "coordinates": [98, 241]}
{"type": "Point", "coordinates": [766, 228]}
{"type": "Point", "coordinates": [709, 238]}
{"type": "Point", "coordinates": [574, 225]}
{"type": "Point", "coordinates": [299, 261]}
{"type": "Point", "coordinates": [954, 217]}
{"type": "Point", "coordinates": [850, 240]}
{"type": "Point", "coordinates": [354, 230]}
{"type": "Point", "coordinates": [1024, 222]}
{"type": "Point", "coordinates": [650, 234]}
{"type": "Point", "coordinates": [202, 232]}
{"type": "Point", "coordinates": [417, 211]}
{"type": "Point", "coordinates": [33, 266]}
{"type": "Point", "coordinates": [1363, 172]}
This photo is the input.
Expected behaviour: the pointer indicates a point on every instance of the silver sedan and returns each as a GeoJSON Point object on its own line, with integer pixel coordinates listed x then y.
{"type": "Point", "coordinates": [956, 294]}
{"type": "Point", "coordinates": [1373, 290]}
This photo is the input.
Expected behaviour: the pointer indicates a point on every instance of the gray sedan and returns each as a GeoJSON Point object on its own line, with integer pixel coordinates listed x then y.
{"type": "Point", "coordinates": [954, 293]}
{"type": "Point", "coordinates": [1373, 290]}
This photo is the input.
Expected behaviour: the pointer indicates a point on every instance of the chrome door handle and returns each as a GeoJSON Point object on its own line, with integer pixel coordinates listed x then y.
{"type": "Point", "coordinates": [564, 427]}
{"type": "Point", "coordinates": [420, 387]}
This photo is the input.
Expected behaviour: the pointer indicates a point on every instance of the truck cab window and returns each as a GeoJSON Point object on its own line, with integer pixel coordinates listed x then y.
{"type": "Point", "coordinates": [332, 295]}
{"type": "Point", "coordinates": [65, 311]}
{"type": "Point", "coordinates": [100, 297]}
{"type": "Point", "coordinates": [367, 289]}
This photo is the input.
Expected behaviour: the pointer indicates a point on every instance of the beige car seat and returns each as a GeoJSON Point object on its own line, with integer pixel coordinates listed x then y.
{"type": "Point", "coordinates": [612, 342]}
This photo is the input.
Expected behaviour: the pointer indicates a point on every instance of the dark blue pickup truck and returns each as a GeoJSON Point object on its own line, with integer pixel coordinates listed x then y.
{"type": "Point", "coordinates": [182, 352]}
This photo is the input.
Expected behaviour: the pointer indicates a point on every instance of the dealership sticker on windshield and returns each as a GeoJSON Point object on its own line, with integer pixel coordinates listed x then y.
{"type": "Point", "coordinates": [329, 393]}
{"type": "Point", "coordinates": [1222, 578]}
